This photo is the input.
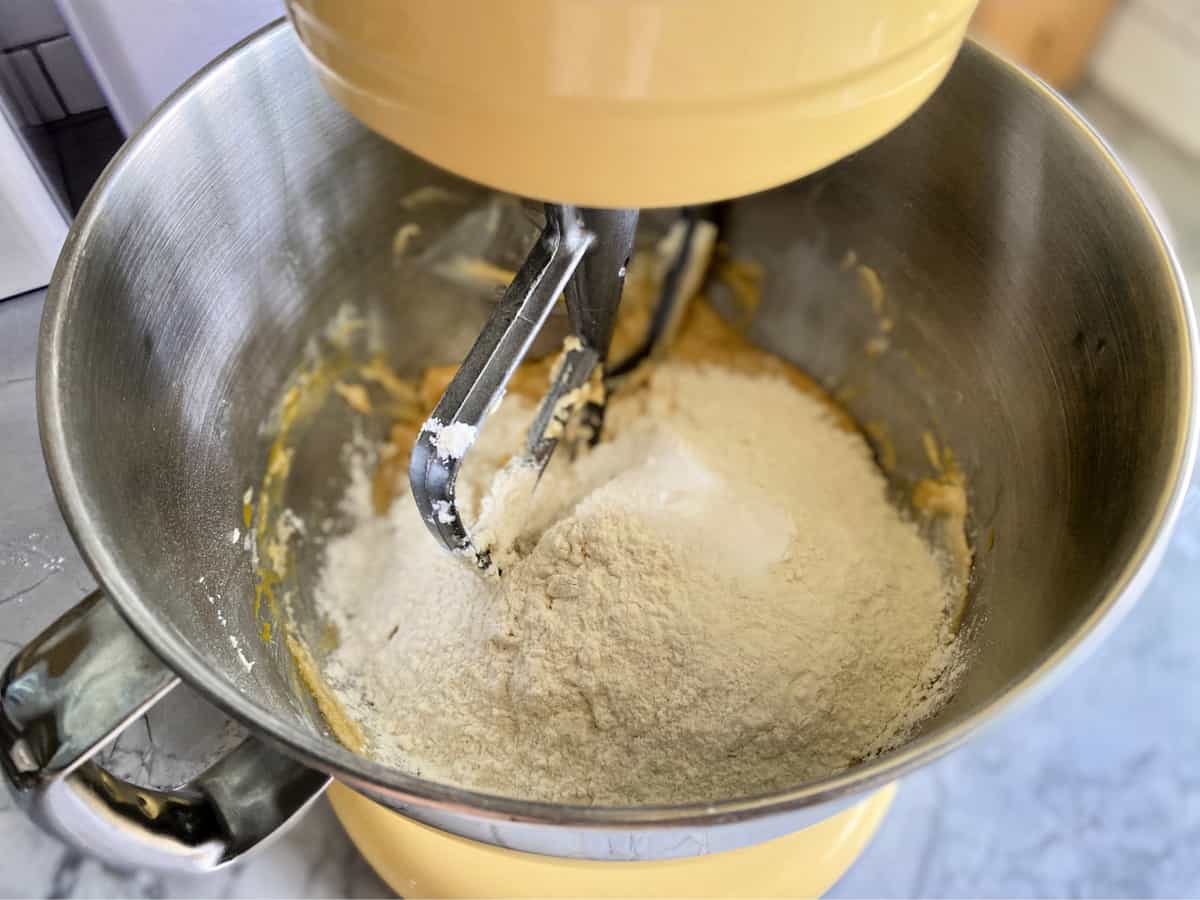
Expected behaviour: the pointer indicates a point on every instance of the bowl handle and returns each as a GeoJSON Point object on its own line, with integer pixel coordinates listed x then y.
{"type": "Point", "coordinates": [77, 686]}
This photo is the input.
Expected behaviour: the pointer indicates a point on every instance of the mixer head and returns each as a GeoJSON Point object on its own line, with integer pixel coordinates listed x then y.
{"type": "Point", "coordinates": [631, 103]}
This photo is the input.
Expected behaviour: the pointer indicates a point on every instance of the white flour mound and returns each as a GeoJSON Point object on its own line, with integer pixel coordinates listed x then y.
{"type": "Point", "coordinates": [717, 601]}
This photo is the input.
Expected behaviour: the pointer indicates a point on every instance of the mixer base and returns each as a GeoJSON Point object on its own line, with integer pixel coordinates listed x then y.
{"type": "Point", "coordinates": [419, 861]}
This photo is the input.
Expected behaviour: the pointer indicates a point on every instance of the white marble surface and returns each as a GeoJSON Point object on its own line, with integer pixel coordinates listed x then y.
{"type": "Point", "coordinates": [1092, 791]}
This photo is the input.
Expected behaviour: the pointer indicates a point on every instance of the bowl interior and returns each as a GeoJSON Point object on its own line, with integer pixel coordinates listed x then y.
{"type": "Point", "coordinates": [1038, 332]}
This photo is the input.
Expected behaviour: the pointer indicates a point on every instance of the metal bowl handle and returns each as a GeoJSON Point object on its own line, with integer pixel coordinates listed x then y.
{"type": "Point", "coordinates": [77, 686]}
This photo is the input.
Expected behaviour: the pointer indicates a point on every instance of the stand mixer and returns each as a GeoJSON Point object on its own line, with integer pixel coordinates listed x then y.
{"type": "Point", "coordinates": [1052, 326]}
{"type": "Point", "coordinates": [613, 106]}
{"type": "Point", "coordinates": [600, 108]}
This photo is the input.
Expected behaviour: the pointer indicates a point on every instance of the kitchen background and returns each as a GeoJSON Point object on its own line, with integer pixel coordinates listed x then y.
{"type": "Point", "coordinates": [1093, 791]}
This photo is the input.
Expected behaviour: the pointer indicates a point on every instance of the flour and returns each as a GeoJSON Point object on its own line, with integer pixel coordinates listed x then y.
{"type": "Point", "coordinates": [716, 601]}
{"type": "Point", "coordinates": [450, 441]}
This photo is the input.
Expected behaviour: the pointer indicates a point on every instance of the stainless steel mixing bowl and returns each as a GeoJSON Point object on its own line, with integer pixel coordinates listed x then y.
{"type": "Point", "coordinates": [1041, 330]}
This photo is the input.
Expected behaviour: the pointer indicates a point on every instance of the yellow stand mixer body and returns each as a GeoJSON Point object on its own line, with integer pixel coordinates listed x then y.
{"type": "Point", "coordinates": [419, 861]}
{"type": "Point", "coordinates": [631, 103]}
{"type": "Point", "coordinates": [626, 103]}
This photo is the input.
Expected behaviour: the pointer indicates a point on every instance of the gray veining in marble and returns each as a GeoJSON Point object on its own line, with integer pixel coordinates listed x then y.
{"type": "Point", "coordinates": [1092, 791]}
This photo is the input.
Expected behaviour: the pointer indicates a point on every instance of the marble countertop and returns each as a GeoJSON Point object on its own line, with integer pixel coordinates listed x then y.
{"type": "Point", "coordinates": [1094, 790]}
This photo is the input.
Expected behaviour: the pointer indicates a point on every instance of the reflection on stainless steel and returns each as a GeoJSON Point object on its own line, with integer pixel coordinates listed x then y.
{"type": "Point", "coordinates": [688, 257]}
{"type": "Point", "coordinates": [75, 688]}
{"type": "Point", "coordinates": [1040, 330]}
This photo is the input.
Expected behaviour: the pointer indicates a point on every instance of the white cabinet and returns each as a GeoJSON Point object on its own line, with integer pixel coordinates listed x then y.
{"type": "Point", "coordinates": [141, 50]}
{"type": "Point", "coordinates": [32, 227]}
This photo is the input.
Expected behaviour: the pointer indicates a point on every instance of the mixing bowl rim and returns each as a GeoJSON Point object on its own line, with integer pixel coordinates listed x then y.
{"type": "Point", "coordinates": [324, 753]}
